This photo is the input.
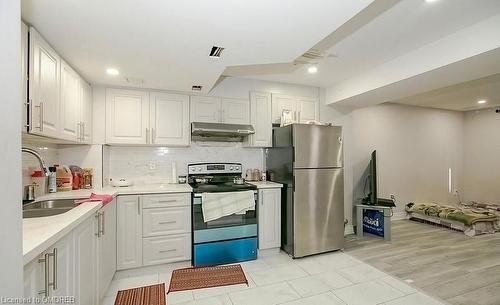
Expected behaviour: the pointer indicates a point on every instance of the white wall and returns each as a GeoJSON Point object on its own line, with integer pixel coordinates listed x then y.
{"type": "Point", "coordinates": [11, 264]}
{"type": "Point", "coordinates": [415, 148]}
{"type": "Point", "coordinates": [481, 156]}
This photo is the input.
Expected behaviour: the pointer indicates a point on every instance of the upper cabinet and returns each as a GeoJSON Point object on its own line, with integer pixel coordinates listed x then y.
{"type": "Point", "coordinates": [205, 109]}
{"type": "Point", "coordinates": [169, 119]}
{"type": "Point", "coordinates": [141, 118]}
{"type": "Point", "coordinates": [44, 84]}
{"type": "Point", "coordinates": [59, 101]}
{"type": "Point", "coordinates": [70, 103]}
{"type": "Point", "coordinates": [235, 111]}
{"type": "Point", "coordinates": [127, 117]}
{"type": "Point", "coordinates": [219, 110]}
{"type": "Point", "coordinates": [260, 119]}
{"type": "Point", "coordinates": [303, 109]}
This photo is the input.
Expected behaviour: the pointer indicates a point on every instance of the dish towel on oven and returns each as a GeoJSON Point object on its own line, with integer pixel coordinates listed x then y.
{"type": "Point", "coordinates": [217, 205]}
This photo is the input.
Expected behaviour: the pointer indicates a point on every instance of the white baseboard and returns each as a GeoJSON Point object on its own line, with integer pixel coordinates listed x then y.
{"type": "Point", "coordinates": [399, 216]}
{"type": "Point", "coordinates": [349, 229]}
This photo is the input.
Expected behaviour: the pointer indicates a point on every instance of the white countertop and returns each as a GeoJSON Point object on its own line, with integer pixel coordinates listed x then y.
{"type": "Point", "coordinates": [265, 184]}
{"type": "Point", "coordinates": [41, 232]}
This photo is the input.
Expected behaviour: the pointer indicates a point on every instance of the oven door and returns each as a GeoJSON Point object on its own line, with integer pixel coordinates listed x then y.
{"type": "Point", "coordinates": [250, 218]}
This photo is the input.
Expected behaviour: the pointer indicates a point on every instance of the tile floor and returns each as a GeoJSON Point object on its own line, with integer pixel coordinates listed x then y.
{"type": "Point", "coordinates": [334, 278]}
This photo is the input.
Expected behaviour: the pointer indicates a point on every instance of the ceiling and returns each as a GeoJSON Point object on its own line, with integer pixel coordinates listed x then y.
{"type": "Point", "coordinates": [461, 97]}
{"type": "Point", "coordinates": [407, 25]}
{"type": "Point", "coordinates": [165, 44]}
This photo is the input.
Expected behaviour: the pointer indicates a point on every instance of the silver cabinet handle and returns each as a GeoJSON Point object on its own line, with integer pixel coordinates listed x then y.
{"type": "Point", "coordinates": [166, 222]}
{"type": "Point", "coordinates": [147, 135]}
{"type": "Point", "coordinates": [295, 116]}
{"type": "Point", "coordinates": [79, 131]}
{"type": "Point", "coordinates": [103, 223]}
{"type": "Point", "coordinates": [153, 135]}
{"type": "Point", "coordinates": [298, 116]}
{"type": "Point", "coordinates": [98, 218]}
{"type": "Point", "coordinates": [83, 131]}
{"type": "Point", "coordinates": [167, 201]}
{"type": "Point", "coordinates": [40, 116]}
{"type": "Point", "coordinates": [29, 113]}
{"type": "Point", "coordinates": [165, 251]}
{"type": "Point", "coordinates": [139, 205]}
{"type": "Point", "coordinates": [54, 269]}
{"type": "Point", "coordinates": [46, 275]}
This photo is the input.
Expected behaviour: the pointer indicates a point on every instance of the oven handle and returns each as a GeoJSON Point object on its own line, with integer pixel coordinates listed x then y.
{"type": "Point", "coordinates": [198, 195]}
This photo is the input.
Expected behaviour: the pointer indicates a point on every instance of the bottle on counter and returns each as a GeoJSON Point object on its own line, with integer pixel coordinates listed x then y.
{"type": "Point", "coordinates": [52, 179]}
{"type": "Point", "coordinates": [77, 173]}
{"type": "Point", "coordinates": [39, 183]}
{"type": "Point", "coordinates": [87, 178]}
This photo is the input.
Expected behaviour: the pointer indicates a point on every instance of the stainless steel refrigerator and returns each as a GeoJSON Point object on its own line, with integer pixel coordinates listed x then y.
{"type": "Point", "coordinates": [308, 161]}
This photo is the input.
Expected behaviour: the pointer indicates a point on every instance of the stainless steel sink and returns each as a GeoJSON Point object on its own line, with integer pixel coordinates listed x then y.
{"type": "Point", "coordinates": [48, 208]}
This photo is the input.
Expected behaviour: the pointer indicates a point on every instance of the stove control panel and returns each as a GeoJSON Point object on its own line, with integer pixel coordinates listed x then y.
{"type": "Point", "coordinates": [214, 168]}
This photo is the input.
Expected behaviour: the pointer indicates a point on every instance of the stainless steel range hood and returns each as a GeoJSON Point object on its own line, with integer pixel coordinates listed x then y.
{"type": "Point", "coordinates": [220, 132]}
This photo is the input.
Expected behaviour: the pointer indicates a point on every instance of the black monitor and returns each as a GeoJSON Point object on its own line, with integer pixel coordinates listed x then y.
{"type": "Point", "coordinates": [373, 179]}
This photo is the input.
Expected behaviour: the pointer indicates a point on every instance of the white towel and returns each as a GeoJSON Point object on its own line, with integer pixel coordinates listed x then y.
{"type": "Point", "coordinates": [217, 205]}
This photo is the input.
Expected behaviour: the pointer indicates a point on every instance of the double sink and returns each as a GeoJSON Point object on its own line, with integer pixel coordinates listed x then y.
{"type": "Point", "coordinates": [48, 208]}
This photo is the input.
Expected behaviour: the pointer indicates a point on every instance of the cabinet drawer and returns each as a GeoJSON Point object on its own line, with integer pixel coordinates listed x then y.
{"type": "Point", "coordinates": [159, 250]}
{"type": "Point", "coordinates": [163, 221]}
{"type": "Point", "coordinates": [165, 200]}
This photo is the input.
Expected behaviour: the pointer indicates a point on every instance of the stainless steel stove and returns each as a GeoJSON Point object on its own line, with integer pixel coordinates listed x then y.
{"type": "Point", "coordinates": [228, 239]}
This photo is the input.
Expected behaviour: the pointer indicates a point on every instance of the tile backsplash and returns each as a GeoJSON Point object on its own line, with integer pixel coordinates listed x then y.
{"type": "Point", "coordinates": [146, 165]}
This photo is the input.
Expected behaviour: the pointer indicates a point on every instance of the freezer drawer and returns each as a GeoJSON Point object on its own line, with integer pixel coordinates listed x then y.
{"type": "Point", "coordinates": [318, 211]}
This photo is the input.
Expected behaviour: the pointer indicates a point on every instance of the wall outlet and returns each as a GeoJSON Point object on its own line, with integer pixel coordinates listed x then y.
{"type": "Point", "coordinates": [393, 197]}
{"type": "Point", "coordinates": [152, 165]}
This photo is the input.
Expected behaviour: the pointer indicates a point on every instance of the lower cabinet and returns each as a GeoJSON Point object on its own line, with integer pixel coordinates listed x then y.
{"type": "Point", "coordinates": [269, 218]}
{"type": "Point", "coordinates": [80, 265]}
{"type": "Point", "coordinates": [153, 229]}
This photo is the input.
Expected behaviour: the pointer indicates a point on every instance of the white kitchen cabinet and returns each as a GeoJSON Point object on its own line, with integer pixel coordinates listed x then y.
{"type": "Point", "coordinates": [167, 249]}
{"type": "Point", "coordinates": [166, 221]}
{"type": "Point", "coordinates": [86, 262]}
{"type": "Point", "coordinates": [64, 259]}
{"type": "Point", "coordinates": [205, 109]}
{"type": "Point", "coordinates": [307, 110]}
{"type": "Point", "coordinates": [303, 109]}
{"type": "Point", "coordinates": [24, 78]}
{"type": "Point", "coordinates": [129, 232]}
{"type": "Point", "coordinates": [106, 247]}
{"type": "Point", "coordinates": [70, 103]}
{"type": "Point", "coordinates": [85, 124]}
{"type": "Point", "coordinates": [44, 87]}
{"type": "Point", "coordinates": [34, 278]}
{"type": "Point", "coordinates": [269, 218]}
{"type": "Point", "coordinates": [235, 111]}
{"type": "Point", "coordinates": [169, 119]}
{"type": "Point", "coordinates": [260, 119]}
{"type": "Point", "coordinates": [127, 116]}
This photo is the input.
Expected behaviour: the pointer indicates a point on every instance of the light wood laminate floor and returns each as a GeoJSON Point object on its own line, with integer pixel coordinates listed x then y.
{"type": "Point", "coordinates": [441, 262]}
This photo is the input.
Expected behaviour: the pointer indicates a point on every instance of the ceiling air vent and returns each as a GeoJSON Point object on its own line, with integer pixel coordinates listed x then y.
{"type": "Point", "coordinates": [313, 56]}
{"type": "Point", "coordinates": [216, 51]}
{"type": "Point", "coordinates": [196, 88]}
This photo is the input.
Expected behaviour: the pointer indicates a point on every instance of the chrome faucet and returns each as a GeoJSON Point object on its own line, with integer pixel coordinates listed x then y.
{"type": "Point", "coordinates": [37, 155]}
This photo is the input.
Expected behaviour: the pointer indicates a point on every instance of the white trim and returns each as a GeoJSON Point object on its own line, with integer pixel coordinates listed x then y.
{"type": "Point", "coordinates": [349, 229]}
{"type": "Point", "coordinates": [399, 216]}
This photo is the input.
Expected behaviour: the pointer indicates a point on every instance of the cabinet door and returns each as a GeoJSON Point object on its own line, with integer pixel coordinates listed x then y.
{"type": "Point", "coordinates": [269, 218]}
{"type": "Point", "coordinates": [65, 271]}
{"type": "Point", "coordinates": [85, 262]}
{"type": "Point", "coordinates": [260, 118]}
{"type": "Point", "coordinates": [282, 102]}
{"type": "Point", "coordinates": [33, 279]}
{"type": "Point", "coordinates": [127, 117]}
{"type": "Point", "coordinates": [107, 248]}
{"type": "Point", "coordinates": [44, 84]}
{"type": "Point", "coordinates": [307, 110]}
{"type": "Point", "coordinates": [169, 119]}
{"type": "Point", "coordinates": [235, 111]}
{"type": "Point", "coordinates": [70, 103]}
{"type": "Point", "coordinates": [24, 71]}
{"type": "Point", "coordinates": [205, 109]}
{"type": "Point", "coordinates": [129, 232]}
{"type": "Point", "coordinates": [85, 112]}
{"type": "Point", "coordinates": [167, 249]}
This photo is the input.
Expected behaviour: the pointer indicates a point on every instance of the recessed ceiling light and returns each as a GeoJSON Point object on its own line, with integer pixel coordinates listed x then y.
{"type": "Point", "coordinates": [112, 71]}
{"type": "Point", "coordinates": [481, 102]}
{"type": "Point", "coordinates": [312, 69]}
{"type": "Point", "coordinates": [430, 0]}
